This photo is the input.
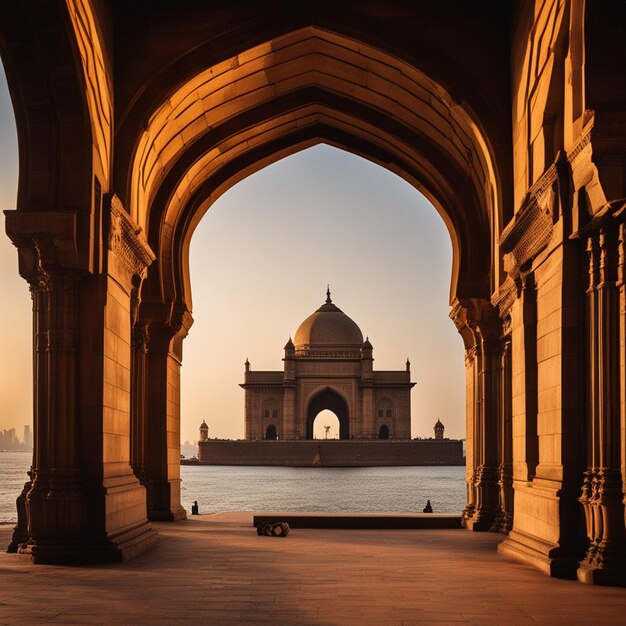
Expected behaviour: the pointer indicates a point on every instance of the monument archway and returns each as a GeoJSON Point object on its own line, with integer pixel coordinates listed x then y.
{"type": "Point", "coordinates": [503, 120]}
{"type": "Point", "coordinates": [331, 400]}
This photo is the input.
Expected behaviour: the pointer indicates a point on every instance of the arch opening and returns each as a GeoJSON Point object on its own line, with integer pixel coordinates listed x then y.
{"type": "Point", "coordinates": [329, 400]}
{"type": "Point", "coordinates": [270, 433]}
{"type": "Point", "coordinates": [383, 432]}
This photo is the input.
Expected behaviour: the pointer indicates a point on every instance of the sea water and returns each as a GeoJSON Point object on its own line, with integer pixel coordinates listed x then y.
{"type": "Point", "coordinates": [238, 488]}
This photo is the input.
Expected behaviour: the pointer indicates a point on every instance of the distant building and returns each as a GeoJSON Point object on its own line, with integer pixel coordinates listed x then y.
{"type": "Point", "coordinates": [204, 431]}
{"type": "Point", "coordinates": [328, 365]}
{"type": "Point", "coordinates": [439, 428]}
{"type": "Point", "coordinates": [28, 437]}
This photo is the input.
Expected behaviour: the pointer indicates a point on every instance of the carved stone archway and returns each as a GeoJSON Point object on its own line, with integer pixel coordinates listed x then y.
{"type": "Point", "coordinates": [503, 120]}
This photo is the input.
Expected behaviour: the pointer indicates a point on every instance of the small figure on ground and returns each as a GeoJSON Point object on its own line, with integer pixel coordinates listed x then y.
{"type": "Point", "coordinates": [195, 508]}
{"type": "Point", "coordinates": [273, 529]}
{"type": "Point", "coordinates": [428, 508]}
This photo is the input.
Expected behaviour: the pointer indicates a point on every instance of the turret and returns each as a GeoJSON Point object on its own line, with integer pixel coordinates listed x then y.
{"type": "Point", "coordinates": [439, 428]}
{"type": "Point", "coordinates": [289, 360]}
{"type": "Point", "coordinates": [367, 360]}
{"type": "Point", "coordinates": [204, 431]}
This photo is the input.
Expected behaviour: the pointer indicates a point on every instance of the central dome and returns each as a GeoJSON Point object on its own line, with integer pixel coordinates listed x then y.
{"type": "Point", "coordinates": [328, 327]}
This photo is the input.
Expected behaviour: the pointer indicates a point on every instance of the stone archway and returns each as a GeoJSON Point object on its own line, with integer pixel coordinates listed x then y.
{"type": "Point", "coordinates": [503, 120]}
{"type": "Point", "coordinates": [383, 432]}
{"type": "Point", "coordinates": [332, 401]}
{"type": "Point", "coordinates": [270, 433]}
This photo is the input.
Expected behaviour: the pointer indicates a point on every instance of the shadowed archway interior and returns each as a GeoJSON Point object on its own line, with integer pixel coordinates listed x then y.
{"type": "Point", "coordinates": [332, 401]}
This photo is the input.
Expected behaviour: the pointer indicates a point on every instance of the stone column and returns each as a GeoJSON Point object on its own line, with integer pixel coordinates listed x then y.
{"type": "Point", "coordinates": [84, 503]}
{"type": "Point", "coordinates": [479, 326]}
{"type": "Point", "coordinates": [486, 493]}
{"type": "Point", "coordinates": [504, 516]}
{"type": "Point", "coordinates": [470, 436]}
{"type": "Point", "coordinates": [602, 490]}
{"type": "Point", "coordinates": [163, 362]}
{"type": "Point", "coordinates": [139, 353]}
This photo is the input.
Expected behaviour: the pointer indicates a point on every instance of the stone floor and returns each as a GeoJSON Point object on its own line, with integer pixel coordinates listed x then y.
{"type": "Point", "coordinates": [216, 570]}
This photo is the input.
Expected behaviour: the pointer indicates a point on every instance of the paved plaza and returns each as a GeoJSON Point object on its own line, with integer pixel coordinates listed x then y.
{"type": "Point", "coordinates": [214, 569]}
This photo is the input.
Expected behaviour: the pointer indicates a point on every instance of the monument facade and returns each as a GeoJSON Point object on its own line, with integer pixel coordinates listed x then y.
{"type": "Point", "coordinates": [328, 365]}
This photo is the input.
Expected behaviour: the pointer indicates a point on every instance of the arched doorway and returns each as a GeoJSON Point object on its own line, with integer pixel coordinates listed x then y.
{"type": "Point", "coordinates": [270, 433]}
{"type": "Point", "coordinates": [383, 432]}
{"type": "Point", "coordinates": [332, 401]}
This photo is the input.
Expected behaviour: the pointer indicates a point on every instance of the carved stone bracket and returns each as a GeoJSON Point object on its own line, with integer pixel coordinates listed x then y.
{"type": "Point", "coordinates": [46, 241]}
{"type": "Point", "coordinates": [530, 231]}
{"type": "Point", "coordinates": [127, 242]}
{"type": "Point", "coordinates": [503, 299]}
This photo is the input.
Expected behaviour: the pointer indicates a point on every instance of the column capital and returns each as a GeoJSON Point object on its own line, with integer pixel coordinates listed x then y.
{"type": "Point", "coordinates": [46, 243]}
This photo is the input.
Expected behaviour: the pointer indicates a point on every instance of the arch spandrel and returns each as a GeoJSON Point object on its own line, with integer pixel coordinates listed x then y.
{"type": "Point", "coordinates": [310, 57]}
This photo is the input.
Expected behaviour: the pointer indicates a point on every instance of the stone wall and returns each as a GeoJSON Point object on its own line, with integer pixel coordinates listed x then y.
{"type": "Point", "coordinates": [334, 453]}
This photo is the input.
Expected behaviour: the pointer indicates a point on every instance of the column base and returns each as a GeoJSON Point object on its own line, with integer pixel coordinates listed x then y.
{"type": "Point", "coordinates": [610, 576]}
{"type": "Point", "coordinates": [167, 515]}
{"type": "Point", "coordinates": [540, 554]}
{"type": "Point", "coordinates": [122, 547]}
{"type": "Point", "coordinates": [481, 521]}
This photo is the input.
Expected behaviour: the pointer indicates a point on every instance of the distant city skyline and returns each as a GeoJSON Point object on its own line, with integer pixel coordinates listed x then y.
{"type": "Point", "coordinates": [10, 441]}
{"type": "Point", "coordinates": [260, 261]}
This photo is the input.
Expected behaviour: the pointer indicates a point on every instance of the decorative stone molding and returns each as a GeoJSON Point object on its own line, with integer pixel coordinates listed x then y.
{"type": "Point", "coordinates": [530, 230]}
{"type": "Point", "coordinates": [46, 242]}
{"type": "Point", "coordinates": [504, 297]}
{"type": "Point", "coordinates": [127, 241]}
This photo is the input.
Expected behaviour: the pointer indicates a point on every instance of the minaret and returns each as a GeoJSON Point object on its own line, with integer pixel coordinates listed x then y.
{"type": "Point", "coordinates": [439, 428]}
{"type": "Point", "coordinates": [204, 431]}
{"type": "Point", "coordinates": [367, 389]}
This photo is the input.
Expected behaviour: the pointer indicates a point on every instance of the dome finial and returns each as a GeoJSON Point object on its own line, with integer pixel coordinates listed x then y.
{"type": "Point", "coordinates": [328, 300]}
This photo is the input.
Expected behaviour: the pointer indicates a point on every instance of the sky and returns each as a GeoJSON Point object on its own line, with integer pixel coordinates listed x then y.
{"type": "Point", "coordinates": [260, 262]}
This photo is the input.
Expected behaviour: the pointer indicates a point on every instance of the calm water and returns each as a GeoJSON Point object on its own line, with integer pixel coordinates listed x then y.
{"type": "Point", "coordinates": [376, 489]}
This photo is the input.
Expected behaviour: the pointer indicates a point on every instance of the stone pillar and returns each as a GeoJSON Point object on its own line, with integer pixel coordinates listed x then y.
{"type": "Point", "coordinates": [84, 503]}
{"type": "Point", "coordinates": [546, 525]}
{"type": "Point", "coordinates": [479, 326]}
{"type": "Point", "coordinates": [139, 353]}
{"type": "Point", "coordinates": [602, 489]}
{"type": "Point", "coordinates": [369, 417]}
{"type": "Point", "coordinates": [524, 383]}
{"type": "Point", "coordinates": [163, 362]}
{"type": "Point", "coordinates": [471, 385]}
{"type": "Point", "coordinates": [504, 517]}
{"type": "Point", "coordinates": [485, 476]}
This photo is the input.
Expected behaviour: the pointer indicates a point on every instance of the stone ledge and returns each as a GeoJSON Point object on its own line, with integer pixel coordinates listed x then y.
{"type": "Point", "coordinates": [402, 521]}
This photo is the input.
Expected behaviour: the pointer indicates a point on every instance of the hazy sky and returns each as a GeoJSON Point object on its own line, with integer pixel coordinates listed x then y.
{"type": "Point", "coordinates": [260, 262]}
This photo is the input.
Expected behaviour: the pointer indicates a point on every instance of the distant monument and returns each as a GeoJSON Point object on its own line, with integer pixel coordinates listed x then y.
{"type": "Point", "coordinates": [328, 365]}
